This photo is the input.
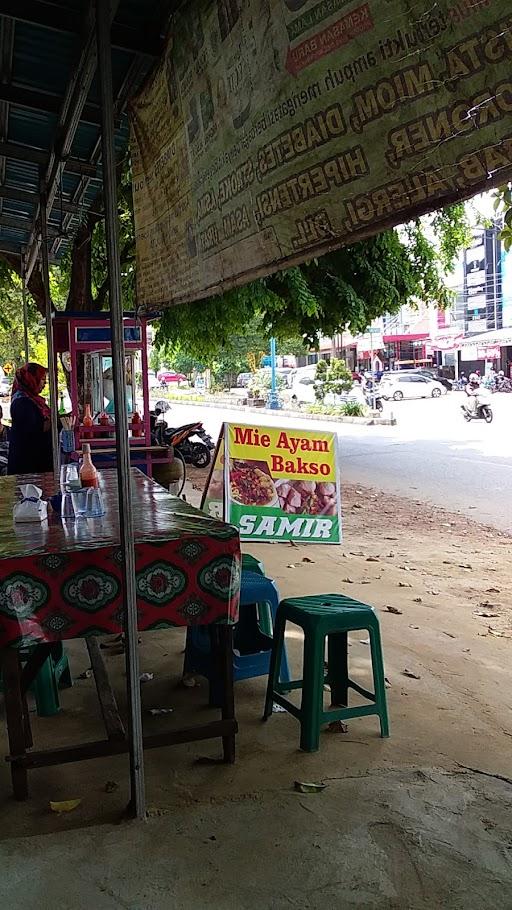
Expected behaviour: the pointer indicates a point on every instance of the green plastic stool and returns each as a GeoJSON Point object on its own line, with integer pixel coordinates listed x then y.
{"type": "Point", "coordinates": [251, 564]}
{"type": "Point", "coordinates": [54, 674]}
{"type": "Point", "coordinates": [331, 616]}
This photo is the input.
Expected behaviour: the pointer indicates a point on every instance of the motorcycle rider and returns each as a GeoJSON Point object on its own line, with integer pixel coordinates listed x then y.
{"type": "Point", "coordinates": [473, 391]}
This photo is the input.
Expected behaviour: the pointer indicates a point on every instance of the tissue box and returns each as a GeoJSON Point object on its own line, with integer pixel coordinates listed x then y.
{"type": "Point", "coordinates": [31, 507]}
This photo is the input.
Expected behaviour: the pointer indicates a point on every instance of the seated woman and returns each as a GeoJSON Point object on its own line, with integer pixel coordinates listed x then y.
{"type": "Point", "coordinates": [30, 447]}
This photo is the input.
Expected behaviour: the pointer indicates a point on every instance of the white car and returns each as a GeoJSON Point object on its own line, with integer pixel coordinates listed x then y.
{"type": "Point", "coordinates": [410, 385]}
{"type": "Point", "coordinates": [153, 382]}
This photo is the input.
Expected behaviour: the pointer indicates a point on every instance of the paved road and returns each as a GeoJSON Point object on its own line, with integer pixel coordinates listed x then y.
{"type": "Point", "coordinates": [432, 454]}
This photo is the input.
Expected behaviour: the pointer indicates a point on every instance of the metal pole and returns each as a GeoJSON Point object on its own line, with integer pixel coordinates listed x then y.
{"type": "Point", "coordinates": [52, 373]}
{"type": "Point", "coordinates": [371, 368]}
{"type": "Point", "coordinates": [137, 784]}
{"type": "Point", "coordinates": [25, 308]}
{"type": "Point", "coordinates": [494, 276]}
{"type": "Point", "coordinates": [273, 399]}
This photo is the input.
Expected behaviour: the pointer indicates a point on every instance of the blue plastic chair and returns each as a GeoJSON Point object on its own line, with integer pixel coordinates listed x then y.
{"type": "Point", "coordinates": [252, 649]}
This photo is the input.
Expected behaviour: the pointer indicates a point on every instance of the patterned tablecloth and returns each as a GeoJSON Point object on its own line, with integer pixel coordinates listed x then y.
{"type": "Point", "coordinates": [62, 580]}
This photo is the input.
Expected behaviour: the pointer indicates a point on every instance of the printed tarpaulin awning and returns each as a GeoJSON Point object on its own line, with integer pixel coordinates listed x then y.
{"type": "Point", "coordinates": [499, 337]}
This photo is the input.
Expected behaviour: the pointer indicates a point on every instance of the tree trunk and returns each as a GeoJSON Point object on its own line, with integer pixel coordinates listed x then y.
{"type": "Point", "coordinates": [80, 289]}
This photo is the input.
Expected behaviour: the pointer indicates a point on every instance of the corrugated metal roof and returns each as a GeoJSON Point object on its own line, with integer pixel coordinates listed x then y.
{"type": "Point", "coordinates": [38, 59]}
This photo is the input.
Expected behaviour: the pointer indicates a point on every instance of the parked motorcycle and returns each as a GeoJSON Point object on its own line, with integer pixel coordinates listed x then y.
{"type": "Point", "coordinates": [191, 442]}
{"type": "Point", "coordinates": [374, 401]}
{"type": "Point", "coordinates": [503, 384]}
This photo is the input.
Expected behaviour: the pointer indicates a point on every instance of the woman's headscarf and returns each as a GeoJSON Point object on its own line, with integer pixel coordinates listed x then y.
{"type": "Point", "coordinates": [27, 382]}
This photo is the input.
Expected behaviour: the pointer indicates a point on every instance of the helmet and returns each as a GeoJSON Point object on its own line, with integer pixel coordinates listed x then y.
{"type": "Point", "coordinates": [474, 378]}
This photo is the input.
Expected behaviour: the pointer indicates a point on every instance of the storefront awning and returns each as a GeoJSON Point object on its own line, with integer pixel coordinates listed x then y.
{"type": "Point", "coordinates": [500, 337]}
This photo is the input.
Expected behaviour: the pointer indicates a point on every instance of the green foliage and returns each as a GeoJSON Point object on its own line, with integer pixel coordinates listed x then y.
{"type": "Point", "coordinates": [352, 409]}
{"type": "Point", "coordinates": [346, 289]}
{"type": "Point", "coordinates": [262, 380]}
{"type": "Point", "coordinates": [452, 227]}
{"type": "Point", "coordinates": [348, 409]}
{"type": "Point", "coordinates": [12, 345]}
{"type": "Point", "coordinates": [333, 378]}
{"type": "Point", "coordinates": [503, 205]}
{"type": "Point", "coordinates": [225, 353]}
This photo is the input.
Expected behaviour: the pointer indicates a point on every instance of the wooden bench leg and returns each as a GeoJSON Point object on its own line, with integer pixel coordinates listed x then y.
{"type": "Point", "coordinates": [224, 635]}
{"type": "Point", "coordinates": [16, 716]}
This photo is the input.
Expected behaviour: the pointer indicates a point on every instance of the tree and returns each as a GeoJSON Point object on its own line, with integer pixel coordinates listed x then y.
{"type": "Point", "coordinates": [342, 290]}
{"type": "Point", "coordinates": [240, 353]}
{"type": "Point", "coordinates": [80, 282]}
{"type": "Point", "coordinates": [346, 289]}
{"type": "Point", "coordinates": [503, 205]}
{"type": "Point", "coordinates": [333, 378]}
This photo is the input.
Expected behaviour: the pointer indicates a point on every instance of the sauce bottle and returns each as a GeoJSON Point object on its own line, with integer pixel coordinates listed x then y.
{"type": "Point", "coordinates": [136, 425]}
{"type": "Point", "coordinates": [87, 422]}
{"type": "Point", "coordinates": [88, 473]}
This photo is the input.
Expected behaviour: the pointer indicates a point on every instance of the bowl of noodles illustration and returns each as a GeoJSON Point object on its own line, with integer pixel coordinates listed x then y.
{"type": "Point", "coordinates": [251, 483]}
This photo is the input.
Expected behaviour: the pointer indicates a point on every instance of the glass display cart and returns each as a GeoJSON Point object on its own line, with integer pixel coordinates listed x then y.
{"type": "Point", "coordinates": [83, 342]}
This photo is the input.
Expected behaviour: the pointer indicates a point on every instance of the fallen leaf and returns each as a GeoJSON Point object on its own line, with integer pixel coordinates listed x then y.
{"type": "Point", "coordinates": [307, 559]}
{"type": "Point", "coordinates": [347, 581]}
{"type": "Point", "coordinates": [372, 559]}
{"type": "Point", "coordinates": [394, 610]}
{"type": "Point", "coordinates": [404, 584]}
{"type": "Point", "coordinates": [65, 805]}
{"type": "Point", "coordinates": [410, 674]}
{"type": "Point", "coordinates": [111, 786]}
{"type": "Point", "coordinates": [486, 613]}
{"type": "Point", "coordinates": [304, 787]}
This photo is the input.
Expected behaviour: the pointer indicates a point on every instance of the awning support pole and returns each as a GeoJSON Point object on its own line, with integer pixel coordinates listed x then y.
{"type": "Point", "coordinates": [25, 308]}
{"type": "Point", "coordinates": [137, 784]}
{"type": "Point", "coordinates": [52, 372]}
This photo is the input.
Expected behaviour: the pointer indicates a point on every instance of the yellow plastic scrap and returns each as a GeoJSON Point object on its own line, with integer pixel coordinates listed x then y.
{"type": "Point", "coordinates": [65, 805]}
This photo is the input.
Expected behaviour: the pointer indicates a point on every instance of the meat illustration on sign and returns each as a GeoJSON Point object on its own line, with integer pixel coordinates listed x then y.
{"type": "Point", "coordinates": [307, 497]}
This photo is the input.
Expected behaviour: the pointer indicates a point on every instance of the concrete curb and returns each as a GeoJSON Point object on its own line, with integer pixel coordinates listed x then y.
{"type": "Point", "coordinates": [246, 409]}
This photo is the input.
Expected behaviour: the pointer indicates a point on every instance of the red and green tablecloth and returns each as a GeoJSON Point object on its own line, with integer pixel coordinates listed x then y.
{"type": "Point", "coordinates": [64, 580]}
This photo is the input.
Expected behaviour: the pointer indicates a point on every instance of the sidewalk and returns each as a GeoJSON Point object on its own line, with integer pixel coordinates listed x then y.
{"type": "Point", "coordinates": [420, 820]}
{"type": "Point", "coordinates": [226, 403]}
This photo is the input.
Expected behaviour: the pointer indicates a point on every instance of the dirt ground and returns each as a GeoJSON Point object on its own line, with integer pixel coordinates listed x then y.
{"type": "Point", "coordinates": [440, 584]}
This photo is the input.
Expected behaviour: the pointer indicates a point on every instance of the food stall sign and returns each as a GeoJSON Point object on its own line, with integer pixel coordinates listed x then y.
{"type": "Point", "coordinates": [488, 352]}
{"type": "Point", "coordinates": [277, 484]}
